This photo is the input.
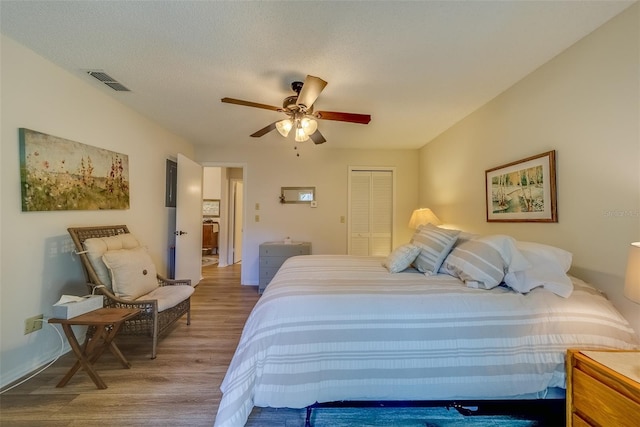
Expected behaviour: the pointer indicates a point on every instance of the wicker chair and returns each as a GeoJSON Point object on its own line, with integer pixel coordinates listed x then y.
{"type": "Point", "coordinates": [150, 322]}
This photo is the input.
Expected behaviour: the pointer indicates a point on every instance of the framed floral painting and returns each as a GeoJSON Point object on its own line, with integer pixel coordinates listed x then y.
{"type": "Point", "coordinates": [57, 174]}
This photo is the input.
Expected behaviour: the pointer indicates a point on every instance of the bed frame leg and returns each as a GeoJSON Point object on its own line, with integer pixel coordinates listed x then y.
{"type": "Point", "coordinates": [307, 421]}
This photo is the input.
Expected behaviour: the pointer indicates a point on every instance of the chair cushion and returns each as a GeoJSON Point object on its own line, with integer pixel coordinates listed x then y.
{"type": "Point", "coordinates": [97, 246]}
{"type": "Point", "coordinates": [168, 296]}
{"type": "Point", "coordinates": [133, 273]}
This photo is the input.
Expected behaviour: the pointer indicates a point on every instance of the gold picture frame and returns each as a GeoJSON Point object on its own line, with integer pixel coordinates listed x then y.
{"type": "Point", "coordinates": [523, 191]}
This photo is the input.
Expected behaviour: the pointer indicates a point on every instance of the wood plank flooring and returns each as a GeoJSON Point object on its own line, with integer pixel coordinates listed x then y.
{"type": "Point", "coordinates": [181, 387]}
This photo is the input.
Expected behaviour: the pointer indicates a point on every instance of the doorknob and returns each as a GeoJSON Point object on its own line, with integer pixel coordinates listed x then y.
{"type": "Point", "coordinates": [180, 233]}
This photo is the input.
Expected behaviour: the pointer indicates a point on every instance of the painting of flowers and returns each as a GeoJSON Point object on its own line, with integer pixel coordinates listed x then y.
{"type": "Point", "coordinates": [523, 191]}
{"type": "Point", "coordinates": [58, 174]}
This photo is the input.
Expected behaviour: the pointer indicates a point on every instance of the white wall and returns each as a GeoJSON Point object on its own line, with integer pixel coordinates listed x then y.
{"type": "Point", "coordinates": [37, 264]}
{"type": "Point", "coordinates": [585, 105]}
{"type": "Point", "coordinates": [211, 182]}
{"type": "Point", "coordinates": [269, 167]}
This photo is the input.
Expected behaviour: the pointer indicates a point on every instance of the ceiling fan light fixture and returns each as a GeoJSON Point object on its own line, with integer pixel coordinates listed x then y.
{"type": "Point", "coordinates": [299, 109]}
{"type": "Point", "coordinates": [301, 136]}
{"type": "Point", "coordinates": [284, 127]}
{"type": "Point", "coordinates": [309, 125]}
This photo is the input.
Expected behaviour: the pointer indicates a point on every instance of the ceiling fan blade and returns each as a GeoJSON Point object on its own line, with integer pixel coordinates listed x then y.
{"type": "Point", "coordinates": [310, 91]}
{"type": "Point", "coordinates": [250, 104]}
{"type": "Point", "coordinates": [317, 137]}
{"type": "Point", "coordinates": [265, 130]}
{"type": "Point", "coordinates": [343, 117]}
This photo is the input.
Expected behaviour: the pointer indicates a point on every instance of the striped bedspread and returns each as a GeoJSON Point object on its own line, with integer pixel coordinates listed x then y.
{"type": "Point", "coordinates": [331, 328]}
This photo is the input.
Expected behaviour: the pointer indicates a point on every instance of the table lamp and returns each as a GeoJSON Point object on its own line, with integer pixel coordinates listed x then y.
{"type": "Point", "coordinates": [632, 278]}
{"type": "Point", "coordinates": [423, 216]}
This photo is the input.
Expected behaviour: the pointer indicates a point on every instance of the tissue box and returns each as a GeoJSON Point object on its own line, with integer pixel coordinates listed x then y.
{"type": "Point", "coordinates": [73, 309]}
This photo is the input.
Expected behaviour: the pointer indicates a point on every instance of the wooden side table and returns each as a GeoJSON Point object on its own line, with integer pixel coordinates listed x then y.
{"type": "Point", "coordinates": [603, 388]}
{"type": "Point", "coordinates": [103, 326]}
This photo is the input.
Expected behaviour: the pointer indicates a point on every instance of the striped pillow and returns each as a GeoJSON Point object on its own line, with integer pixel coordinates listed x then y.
{"type": "Point", "coordinates": [435, 244]}
{"type": "Point", "coordinates": [483, 262]}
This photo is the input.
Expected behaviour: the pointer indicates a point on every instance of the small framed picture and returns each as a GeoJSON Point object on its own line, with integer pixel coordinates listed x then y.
{"type": "Point", "coordinates": [523, 191]}
{"type": "Point", "coordinates": [211, 208]}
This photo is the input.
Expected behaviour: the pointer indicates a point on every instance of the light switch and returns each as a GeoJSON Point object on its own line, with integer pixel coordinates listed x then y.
{"type": "Point", "coordinates": [257, 218]}
{"type": "Point", "coordinates": [342, 219]}
{"type": "Point", "coordinates": [257, 206]}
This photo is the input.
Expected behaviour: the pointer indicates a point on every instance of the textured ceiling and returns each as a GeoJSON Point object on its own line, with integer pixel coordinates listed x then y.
{"type": "Point", "coordinates": [416, 67]}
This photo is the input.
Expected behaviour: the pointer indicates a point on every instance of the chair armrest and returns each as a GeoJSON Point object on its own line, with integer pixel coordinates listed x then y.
{"type": "Point", "coordinates": [163, 281]}
{"type": "Point", "coordinates": [111, 300]}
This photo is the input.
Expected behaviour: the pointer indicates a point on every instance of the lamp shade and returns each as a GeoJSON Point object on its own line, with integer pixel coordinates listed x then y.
{"type": "Point", "coordinates": [284, 126]}
{"type": "Point", "coordinates": [632, 278]}
{"type": "Point", "coordinates": [423, 216]}
{"type": "Point", "coordinates": [300, 136]}
{"type": "Point", "coordinates": [309, 125]}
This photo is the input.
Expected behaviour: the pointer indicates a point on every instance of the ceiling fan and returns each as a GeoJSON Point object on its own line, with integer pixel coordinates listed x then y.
{"type": "Point", "coordinates": [300, 115]}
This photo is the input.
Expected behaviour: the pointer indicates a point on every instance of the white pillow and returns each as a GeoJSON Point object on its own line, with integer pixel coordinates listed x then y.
{"type": "Point", "coordinates": [97, 246]}
{"type": "Point", "coordinates": [548, 269]}
{"type": "Point", "coordinates": [547, 253]}
{"type": "Point", "coordinates": [133, 273]}
{"type": "Point", "coordinates": [401, 258]}
{"type": "Point", "coordinates": [507, 247]}
{"type": "Point", "coordinates": [435, 244]}
{"type": "Point", "coordinates": [482, 262]}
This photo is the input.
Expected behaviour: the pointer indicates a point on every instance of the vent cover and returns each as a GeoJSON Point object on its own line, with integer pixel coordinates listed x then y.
{"type": "Point", "coordinates": [108, 80]}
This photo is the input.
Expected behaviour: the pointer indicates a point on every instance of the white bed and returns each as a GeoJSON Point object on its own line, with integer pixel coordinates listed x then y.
{"type": "Point", "coordinates": [334, 327]}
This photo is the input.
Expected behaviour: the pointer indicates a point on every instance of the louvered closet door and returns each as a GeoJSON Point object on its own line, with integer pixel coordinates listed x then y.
{"type": "Point", "coordinates": [370, 216]}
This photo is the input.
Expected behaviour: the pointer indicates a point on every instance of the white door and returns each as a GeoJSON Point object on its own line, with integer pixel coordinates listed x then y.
{"type": "Point", "coordinates": [189, 220]}
{"type": "Point", "coordinates": [237, 221]}
{"type": "Point", "coordinates": [370, 212]}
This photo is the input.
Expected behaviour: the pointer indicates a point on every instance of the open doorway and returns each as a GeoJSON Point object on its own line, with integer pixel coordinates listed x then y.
{"type": "Point", "coordinates": [226, 184]}
{"type": "Point", "coordinates": [211, 203]}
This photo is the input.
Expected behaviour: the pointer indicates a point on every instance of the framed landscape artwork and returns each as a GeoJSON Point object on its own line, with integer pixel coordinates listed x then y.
{"type": "Point", "coordinates": [523, 191]}
{"type": "Point", "coordinates": [58, 175]}
{"type": "Point", "coordinates": [211, 208]}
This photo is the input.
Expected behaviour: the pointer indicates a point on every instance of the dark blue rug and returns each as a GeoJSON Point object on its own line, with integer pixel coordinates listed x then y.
{"type": "Point", "coordinates": [503, 414]}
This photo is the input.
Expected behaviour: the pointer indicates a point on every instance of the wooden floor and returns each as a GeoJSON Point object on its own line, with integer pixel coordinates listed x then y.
{"type": "Point", "coordinates": [181, 387]}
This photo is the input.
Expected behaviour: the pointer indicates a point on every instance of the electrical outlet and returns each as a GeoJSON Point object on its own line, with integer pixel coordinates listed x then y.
{"type": "Point", "coordinates": [257, 206]}
{"type": "Point", "coordinates": [33, 324]}
{"type": "Point", "coordinates": [342, 219]}
{"type": "Point", "coordinates": [257, 218]}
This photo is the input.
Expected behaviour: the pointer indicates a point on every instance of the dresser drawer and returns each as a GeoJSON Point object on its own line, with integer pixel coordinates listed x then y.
{"type": "Point", "coordinates": [280, 249]}
{"type": "Point", "coordinates": [579, 422]}
{"type": "Point", "coordinates": [602, 405]}
{"type": "Point", "coordinates": [272, 261]}
{"type": "Point", "coordinates": [268, 273]}
{"type": "Point", "coordinates": [273, 255]}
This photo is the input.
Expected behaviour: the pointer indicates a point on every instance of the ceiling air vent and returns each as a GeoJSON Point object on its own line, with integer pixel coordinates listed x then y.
{"type": "Point", "coordinates": [108, 80]}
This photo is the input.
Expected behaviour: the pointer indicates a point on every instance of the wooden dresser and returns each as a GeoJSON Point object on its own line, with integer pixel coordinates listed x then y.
{"type": "Point", "coordinates": [210, 238]}
{"type": "Point", "coordinates": [603, 388]}
{"type": "Point", "coordinates": [273, 255]}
